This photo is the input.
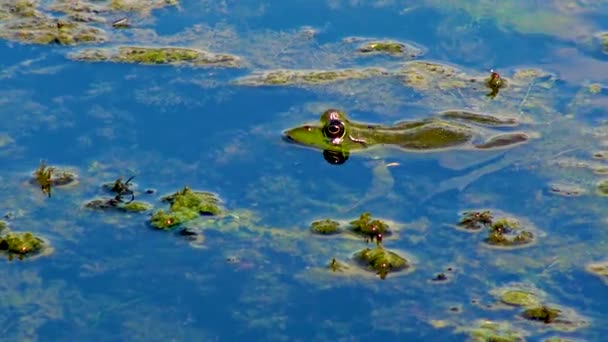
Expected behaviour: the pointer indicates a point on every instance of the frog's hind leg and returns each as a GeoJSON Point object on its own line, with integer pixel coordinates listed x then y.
{"type": "Point", "coordinates": [503, 140]}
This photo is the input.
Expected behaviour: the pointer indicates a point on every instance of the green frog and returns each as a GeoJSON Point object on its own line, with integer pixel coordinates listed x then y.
{"type": "Point", "coordinates": [338, 136]}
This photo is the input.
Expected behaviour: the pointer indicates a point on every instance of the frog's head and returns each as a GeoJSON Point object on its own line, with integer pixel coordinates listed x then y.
{"type": "Point", "coordinates": [329, 134]}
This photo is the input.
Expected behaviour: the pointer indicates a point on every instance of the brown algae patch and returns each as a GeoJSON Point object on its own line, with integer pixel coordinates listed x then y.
{"type": "Point", "coordinates": [390, 47]}
{"type": "Point", "coordinates": [157, 56]}
{"type": "Point", "coordinates": [296, 77]}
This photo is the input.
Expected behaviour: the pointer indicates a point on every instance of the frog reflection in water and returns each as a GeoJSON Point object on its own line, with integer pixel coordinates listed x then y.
{"type": "Point", "coordinates": [337, 136]}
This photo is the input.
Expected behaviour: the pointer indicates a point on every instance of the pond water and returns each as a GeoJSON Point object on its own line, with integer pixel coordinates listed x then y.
{"type": "Point", "coordinates": [255, 270]}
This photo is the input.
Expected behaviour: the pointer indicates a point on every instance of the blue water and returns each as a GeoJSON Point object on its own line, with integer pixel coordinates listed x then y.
{"type": "Point", "coordinates": [112, 277]}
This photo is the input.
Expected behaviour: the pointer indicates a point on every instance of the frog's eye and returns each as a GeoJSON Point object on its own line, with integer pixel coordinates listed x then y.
{"type": "Point", "coordinates": [334, 129]}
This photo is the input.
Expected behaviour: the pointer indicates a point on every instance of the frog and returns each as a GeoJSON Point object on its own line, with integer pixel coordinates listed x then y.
{"type": "Point", "coordinates": [338, 136]}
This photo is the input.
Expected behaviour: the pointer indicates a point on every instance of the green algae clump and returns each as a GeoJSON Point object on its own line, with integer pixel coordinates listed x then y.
{"type": "Point", "coordinates": [367, 227]}
{"type": "Point", "coordinates": [21, 244]}
{"type": "Point", "coordinates": [508, 232]}
{"type": "Point", "coordinates": [381, 261]}
{"type": "Point", "coordinates": [518, 298]}
{"type": "Point", "coordinates": [325, 227]}
{"type": "Point", "coordinates": [388, 47]}
{"type": "Point", "coordinates": [541, 313]}
{"type": "Point", "coordinates": [157, 56]}
{"type": "Point", "coordinates": [186, 205]}
{"type": "Point", "coordinates": [495, 332]}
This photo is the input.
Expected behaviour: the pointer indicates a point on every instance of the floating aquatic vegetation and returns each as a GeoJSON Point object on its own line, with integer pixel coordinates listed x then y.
{"type": "Point", "coordinates": [555, 317]}
{"type": "Point", "coordinates": [49, 177]}
{"type": "Point", "coordinates": [138, 5]}
{"type": "Point", "coordinates": [502, 231]}
{"type": "Point", "coordinates": [599, 269]}
{"type": "Point", "coordinates": [157, 55]}
{"type": "Point", "coordinates": [114, 204]}
{"type": "Point", "coordinates": [475, 220]}
{"type": "Point", "coordinates": [19, 9]}
{"type": "Point", "coordinates": [424, 75]}
{"type": "Point", "coordinates": [299, 77]}
{"type": "Point", "coordinates": [337, 266]}
{"type": "Point", "coordinates": [43, 29]}
{"type": "Point", "coordinates": [381, 261]}
{"type": "Point", "coordinates": [602, 187]}
{"type": "Point", "coordinates": [370, 229]}
{"type": "Point", "coordinates": [519, 295]}
{"type": "Point", "coordinates": [567, 190]}
{"type": "Point", "coordinates": [507, 232]}
{"type": "Point", "coordinates": [80, 10]}
{"type": "Point", "coordinates": [485, 330]}
{"type": "Point", "coordinates": [21, 244]}
{"type": "Point", "coordinates": [325, 227]}
{"type": "Point", "coordinates": [541, 313]}
{"type": "Point", "coordinates": [389, 47]}
{"type": "Point", "coordinates": [186, 205]}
